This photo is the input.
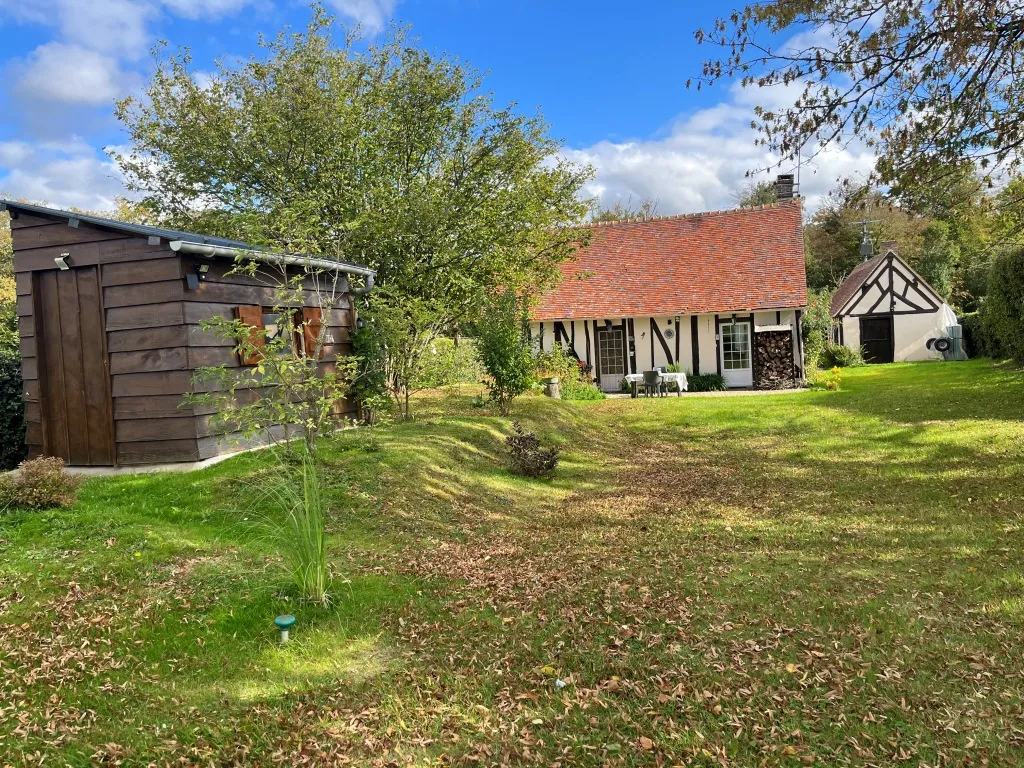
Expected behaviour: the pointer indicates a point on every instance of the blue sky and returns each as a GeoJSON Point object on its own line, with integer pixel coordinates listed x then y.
{"type": "Point", "coordinates": [609, 79]}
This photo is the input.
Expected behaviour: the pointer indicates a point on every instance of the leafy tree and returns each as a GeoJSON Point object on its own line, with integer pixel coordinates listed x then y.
{"type": "Point", "coordinates": [506, 351]}
{"type": "Point", "coordinates": [384, 154]}
{"type": "Point", "coordinates": [645, 209]}
{"type": "Point", "coordinates": [833, 234]}
{"type": "Point", "coordinates": [757, 193]}
{"type": "Point", "coordinates": [940, 258]}
{"type": "Point", "coordinates": [927, 84]}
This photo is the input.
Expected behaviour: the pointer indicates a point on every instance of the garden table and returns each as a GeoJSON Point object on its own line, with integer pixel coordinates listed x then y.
{"type": "Point", "coordinates": [679, 378]}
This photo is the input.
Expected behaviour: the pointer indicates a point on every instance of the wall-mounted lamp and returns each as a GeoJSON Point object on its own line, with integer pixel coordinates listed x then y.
{"type": "Point", "coordinates": [360, 323]}
{"type": "Point", "coordinates": [62, 261]}
{"type": "Point", "coordinates": [194, 278]}
{"type": "Point", "coordinates": [607, 323]}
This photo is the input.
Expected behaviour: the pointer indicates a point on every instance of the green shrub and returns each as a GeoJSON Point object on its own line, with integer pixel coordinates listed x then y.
{"type": "Point", "coordinates": [503, 338]}
{"type": "Point", "coordinates": [574, 377]}
{"type": "Point", "coordinates": [39, 484]}
{"type": "Point", "coordinates": [451, 362]}
{"type": "Point", "coordinates": [625, 387]}
{"type": "Point", "coordinates": [977, 341]}
{"type": "Point", "coordinates": [816, 326]}
{"type": "Point", "coordinates": [706, 382]}
{"type": "Point", "coordinates": [12, 412]}
{"type": "Point", "coordinates": [526, 456]}
{"type": "Point", "coordinates": [582, 391]}
{"type": "Point", "coordinates": [1003, 310]}
{"type": "Point", "coordinates": [12, 405]}
{"type": "Point", "coordinates": [839, 356]}
{"type": "Point", "coordinates": [559, 363]}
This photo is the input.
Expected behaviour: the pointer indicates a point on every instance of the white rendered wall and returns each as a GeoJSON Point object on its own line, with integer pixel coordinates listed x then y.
{"type": "Point", "coordinates": [582, 330]}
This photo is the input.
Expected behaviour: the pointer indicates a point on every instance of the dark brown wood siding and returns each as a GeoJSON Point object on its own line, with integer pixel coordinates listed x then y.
{"type": "Point", "coordinates": [148, 326]}
{"type": "Point", "coordinates": [139, 327]}
{"type": "Point", "coordinates": [222, 294]}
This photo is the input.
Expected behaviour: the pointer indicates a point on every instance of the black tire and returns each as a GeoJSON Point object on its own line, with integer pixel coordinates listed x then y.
{"type": "Point", "coordinates": [943, 345]}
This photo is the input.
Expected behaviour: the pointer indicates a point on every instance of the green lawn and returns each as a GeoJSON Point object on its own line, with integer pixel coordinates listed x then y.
{"type": "Point", "coordinates": [797, 579]}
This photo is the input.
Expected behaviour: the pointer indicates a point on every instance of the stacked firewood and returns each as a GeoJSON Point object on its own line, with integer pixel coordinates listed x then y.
{"type": "Point", "coordinates": [773, 360]}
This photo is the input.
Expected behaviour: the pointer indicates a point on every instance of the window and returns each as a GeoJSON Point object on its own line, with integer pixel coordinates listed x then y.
{"type": "Point", "coordinates": [299, 328]}
{"type": "Point", "coordinates": [736, 346]}
{"type": "Point", "coordinates": [275, 325]}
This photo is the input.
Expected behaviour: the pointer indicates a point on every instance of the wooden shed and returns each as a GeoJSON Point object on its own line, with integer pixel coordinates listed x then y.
{"type": "Point", "coordinates": [109, 316]}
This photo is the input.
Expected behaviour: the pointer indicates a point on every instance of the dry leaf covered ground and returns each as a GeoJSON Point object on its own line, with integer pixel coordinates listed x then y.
{"type": "Point", "coordinates": [800, 579]}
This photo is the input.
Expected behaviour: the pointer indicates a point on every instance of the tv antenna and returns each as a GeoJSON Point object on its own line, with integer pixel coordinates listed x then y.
{"type": "Point", "coordinates": [867, 247]}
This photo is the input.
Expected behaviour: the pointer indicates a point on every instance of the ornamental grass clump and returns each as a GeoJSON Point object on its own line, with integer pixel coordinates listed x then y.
{"type": "Point", "coordinates": [298, 532]}
{"type": "Point", "coordinates": [527, 457]}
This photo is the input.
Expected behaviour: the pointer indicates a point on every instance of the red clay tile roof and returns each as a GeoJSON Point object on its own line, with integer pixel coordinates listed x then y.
{"type": "Point", "coordinates": [724, 261]}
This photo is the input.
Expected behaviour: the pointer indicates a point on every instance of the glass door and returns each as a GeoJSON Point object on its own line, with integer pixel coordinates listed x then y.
{"type": "Point", "coordinates": [611, 343]}
{"type": "Point", "coordinates": [737, 366]}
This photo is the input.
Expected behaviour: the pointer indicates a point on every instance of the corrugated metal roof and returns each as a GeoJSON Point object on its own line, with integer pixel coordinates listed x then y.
{"type": "Point", "coordinates": [143, 230]}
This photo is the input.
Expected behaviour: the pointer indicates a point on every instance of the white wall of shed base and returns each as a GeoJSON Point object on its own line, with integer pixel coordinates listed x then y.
{"type": "Point", "coordinates": [910, 334]}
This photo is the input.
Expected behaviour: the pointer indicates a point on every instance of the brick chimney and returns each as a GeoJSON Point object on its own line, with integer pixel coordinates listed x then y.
{"type": "Point", "coordinates": [785, 186]}
{"type": "Point", "coordinates": [890, 246]}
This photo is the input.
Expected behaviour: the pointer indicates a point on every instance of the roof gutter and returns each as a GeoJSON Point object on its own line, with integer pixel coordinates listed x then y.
{"type": "Point", "coordinates": [330, 265]}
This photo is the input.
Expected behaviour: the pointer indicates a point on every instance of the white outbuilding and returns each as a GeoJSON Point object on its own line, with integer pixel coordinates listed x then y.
{"type": "Point", "coordinates": [890, 312]}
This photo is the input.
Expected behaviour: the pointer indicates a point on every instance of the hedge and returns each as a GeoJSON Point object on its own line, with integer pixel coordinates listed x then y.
{"type": "Point", "coordinates": [1003, 310]}
{"type": "Point", "coordinates": [12, 412]}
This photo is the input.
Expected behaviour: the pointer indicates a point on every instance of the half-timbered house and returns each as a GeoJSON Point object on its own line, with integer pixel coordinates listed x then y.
{"type": "Point", "coordinates": [719, 292]}
{"type": "Point", "coordinates": [109, 316]}
{"type": "Point", "coordinates": [890, 312]}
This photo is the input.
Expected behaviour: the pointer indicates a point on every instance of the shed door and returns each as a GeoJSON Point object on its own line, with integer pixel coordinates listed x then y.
{"type": "Point", "coordinates": [876, 336]}
{"type": "Point", "coordinates": [74, 384]}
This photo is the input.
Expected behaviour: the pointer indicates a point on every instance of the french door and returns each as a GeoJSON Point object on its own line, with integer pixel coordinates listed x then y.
{"type": "Point", "coordinates": [735, 351]}
{"type": "Point", "coordinates": [611, 345]}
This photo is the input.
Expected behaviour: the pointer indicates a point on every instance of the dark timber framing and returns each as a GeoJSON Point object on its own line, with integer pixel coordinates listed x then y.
{"type": "Point", "coordinates": [656, 331]}
{"type": "Point", "coordinates": [627, 346]}
{"type": "Point", "coordinates": [109, 346]}
{"type": "Point", "coordinates": [695, 343]}
{"type": "Point", "coordinates": [924, 300]}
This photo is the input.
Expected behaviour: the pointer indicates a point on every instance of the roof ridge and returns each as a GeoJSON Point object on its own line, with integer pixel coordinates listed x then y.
{"type": "Point", "coordinates": [693, 215]}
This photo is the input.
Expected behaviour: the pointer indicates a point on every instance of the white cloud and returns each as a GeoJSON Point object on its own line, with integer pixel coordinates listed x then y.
{"type": "Point", "coordinates": [372, 14]}
{"type": "Point", "coordinates": [701, 161]}
{"type": "Point", "coordinates": [71, 74]}
{"type": "Point", "coordinates": [115, 27]}
{"type": "Point", "coordinates": [205, 9]}
{"type": "Point", "coordinates": [68, 174]}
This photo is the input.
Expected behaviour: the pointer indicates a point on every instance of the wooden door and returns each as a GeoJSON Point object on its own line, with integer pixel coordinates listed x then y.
{"type": "Point", "coordinates": [611, 343]}
{"type": "Point", "coordinates": [74, 380]}
{"type": "Point", "coordinates": [877, 339]}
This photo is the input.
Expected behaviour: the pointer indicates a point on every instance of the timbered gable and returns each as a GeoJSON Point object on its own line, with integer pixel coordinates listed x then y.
{"type": "Point", "coordinates": [889, 288]}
